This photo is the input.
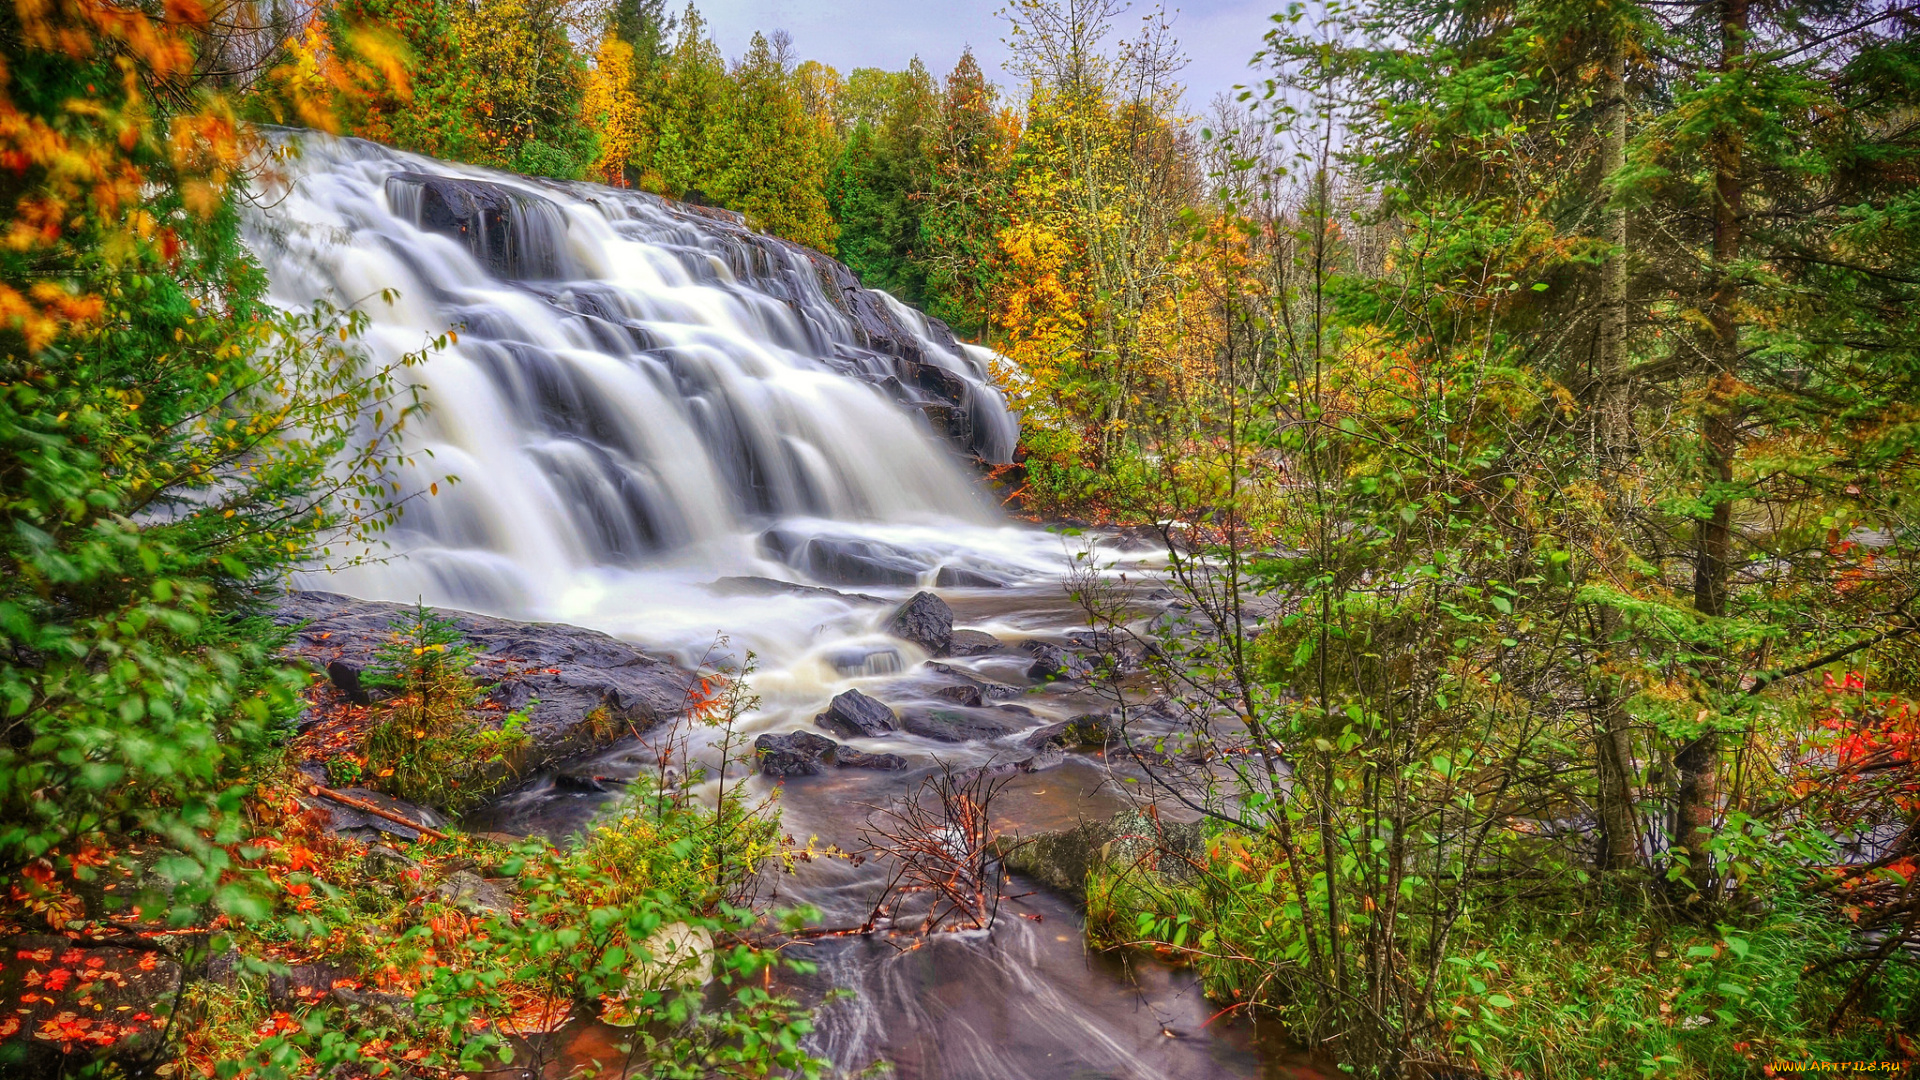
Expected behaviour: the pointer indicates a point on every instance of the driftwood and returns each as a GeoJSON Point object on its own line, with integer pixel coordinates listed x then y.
{"type": "Point", "coordinates": [368, 808]}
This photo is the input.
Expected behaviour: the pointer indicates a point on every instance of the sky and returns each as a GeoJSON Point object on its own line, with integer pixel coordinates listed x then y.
{"type": "Point", "coordinates": [1217, 36]}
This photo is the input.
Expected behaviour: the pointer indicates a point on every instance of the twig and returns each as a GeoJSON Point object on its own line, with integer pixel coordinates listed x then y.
{"type": "Point", "coordinates": [368, 808]}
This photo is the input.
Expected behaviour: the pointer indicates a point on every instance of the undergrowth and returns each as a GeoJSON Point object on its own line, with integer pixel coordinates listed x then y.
{"type": "Point", "coordinates": [1595, 989]}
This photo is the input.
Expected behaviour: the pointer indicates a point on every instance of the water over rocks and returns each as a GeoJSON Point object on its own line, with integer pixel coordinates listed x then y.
{"type": "Point", "coordinates": [844, 560]}
{"type": "Point", "coordinates": [512, 232]}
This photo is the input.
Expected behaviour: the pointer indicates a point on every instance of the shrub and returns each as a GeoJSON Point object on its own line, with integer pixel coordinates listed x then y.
{"type": "Point", "coordinates": [428, 747]}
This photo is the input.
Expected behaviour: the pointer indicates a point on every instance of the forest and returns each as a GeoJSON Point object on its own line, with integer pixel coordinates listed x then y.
{"type": "Point", "coordinates": [1518, 402]}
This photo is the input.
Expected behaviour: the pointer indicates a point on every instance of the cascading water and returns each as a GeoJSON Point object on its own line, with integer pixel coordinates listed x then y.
{"type": "Point", "coordinates": [665, 426]}
{"type": "Point", "coordinates": [637, 386]}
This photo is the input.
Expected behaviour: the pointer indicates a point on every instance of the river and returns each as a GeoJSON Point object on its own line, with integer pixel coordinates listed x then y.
{"type": "Point", "coordinates": [672, 429]}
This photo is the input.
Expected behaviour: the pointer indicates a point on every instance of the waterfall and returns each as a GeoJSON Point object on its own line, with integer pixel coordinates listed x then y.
{"type": "Point", "coordinates": [644, 397]}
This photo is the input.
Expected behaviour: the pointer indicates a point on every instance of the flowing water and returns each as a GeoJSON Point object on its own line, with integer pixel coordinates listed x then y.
{"type": "Point", "coordinates": [662, 424]}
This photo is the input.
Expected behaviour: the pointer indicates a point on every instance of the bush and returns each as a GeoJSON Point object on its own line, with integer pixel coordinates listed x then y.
{"type": "Point", "coordinates": [428, 747]}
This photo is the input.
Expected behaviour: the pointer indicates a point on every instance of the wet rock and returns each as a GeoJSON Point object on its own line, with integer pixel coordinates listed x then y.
{"type": "Point", "coordinates": [974, 643]}
{"type": "Point", "coordinates": [1039, 761]}
{"type": "Point", "coordinates": [1091, 730]}
{"type": "Point", "coordinates": [961, 577]}
{"type": "Point", "coordinates": [474, 894]}
{"type": "Point", "coordinates": [796, 753]}
{"type": "Point", "coordinates": [1051, 663]}
{"type": "Point", "coordinates": [843, 560]}
{"type": "Point", "coordinates": [925, 620]}
{"type": "Point", "coordinates": [582, 689]}
{"type": "Point", "coordinates": [513, 233]}
{"type": "Point", "coordinates": [987, 687]}
{"type": "Point", "coordinates": [345, 677]}
{"type": "Point", "coordinates": [1062, 859]}
{"type": "Point", "coordinates": [117, 998]}
{"type": "Point", "coordinates": [962, 724]}
{"type": "Point", "coordinates": [967, 694]}
{"type": "Point", "coordinates": [360, 825]}
{"type": "Point", "coordinates": [846, 757]}
{"type": "Point", "coordinates": [855, 715]}
{"type": "Point", "coordinates": [802, 753]}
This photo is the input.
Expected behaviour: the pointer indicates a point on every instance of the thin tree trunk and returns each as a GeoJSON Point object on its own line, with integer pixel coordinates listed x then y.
{"type": "Point", "coordinates": [1698, 762]}
{"type": "Point", "coordinates": [1613, 435]}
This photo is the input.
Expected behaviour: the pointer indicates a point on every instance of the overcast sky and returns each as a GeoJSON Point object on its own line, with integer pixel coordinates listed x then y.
{"type": "Point", "coordinates": [1218, 36]}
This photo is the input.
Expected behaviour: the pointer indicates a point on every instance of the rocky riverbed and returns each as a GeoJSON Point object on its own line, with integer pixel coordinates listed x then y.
{"type": "Point", "coordinates": [1006, 686]}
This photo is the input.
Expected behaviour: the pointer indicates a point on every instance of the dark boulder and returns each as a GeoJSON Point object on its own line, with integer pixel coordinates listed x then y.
{"type": "Point", "coordinates": [512, 233]}
{"type": "Point", "coordinates": [925, 620]}
{"type": "Point", "coordinates": [989, 690]}
{"type": "Point", "coordinates": [1051, 662]}
{"type": "Point", "coordinates": [975, 643]}
{"type": "Point", "coordinates": [967, 694]}
{"type": "Point", "coordinates": [802, 753]}
{"type": "Point", "coordinates": [847, 758]}
{"type": "Point", "coordinates": [1091, 730]}
{"type": "Point", "coordinates": [796, 753]}
{"type": "Point", "coordinates": [1039, 761]}
{"type": "Point", "coordinates": [581, 688]}
{"type": "Point", "coordinates": [1139, 840]}
{"type": "Point", "coordinates": [345, 677]}
{"type": "Point", "coordinates": [961, 724]}
{"type": "Point", "coordinates": [855, 715]}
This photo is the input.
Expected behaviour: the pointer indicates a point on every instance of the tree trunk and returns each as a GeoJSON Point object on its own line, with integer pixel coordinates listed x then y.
{"type": "Point", "coordinates": [1613, 437]}
{"type": "Point", "coordinates": [1698, 762]}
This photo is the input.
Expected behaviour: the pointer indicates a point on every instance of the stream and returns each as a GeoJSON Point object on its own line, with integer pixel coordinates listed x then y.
{"type": "Point", "coordinates": [715, 444]}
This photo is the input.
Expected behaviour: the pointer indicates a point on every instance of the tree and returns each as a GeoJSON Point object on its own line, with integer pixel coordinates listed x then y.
{"type": "Point", "coordinates": [776, 155]}
{"type": "Point", "coordinates": [966, 207]}
{"type": "Point", "coordinates": [878, 186]}
{"type": "Point", "coordinates": [692, 107]}
{"type": "Point", "coordinates": [169, 443]}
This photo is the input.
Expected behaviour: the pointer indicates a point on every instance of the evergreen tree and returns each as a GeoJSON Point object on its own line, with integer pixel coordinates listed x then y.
{"type": "Point", "coordinates": [965, 208]}
{"type": "Point", "coordinates": [880, 182]}
{"type": "Point", "coordinates": [775, 169]}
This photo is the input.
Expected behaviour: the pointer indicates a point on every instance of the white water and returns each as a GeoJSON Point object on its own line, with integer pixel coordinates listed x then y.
{"type": "Point", "coordinates": [628, 425]}
{"type": "Point", "coordinates": [645, 399]}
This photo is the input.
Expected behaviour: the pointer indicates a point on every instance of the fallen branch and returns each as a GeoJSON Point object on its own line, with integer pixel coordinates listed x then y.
{"type": "Point", "coordinates": [366, 807]}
